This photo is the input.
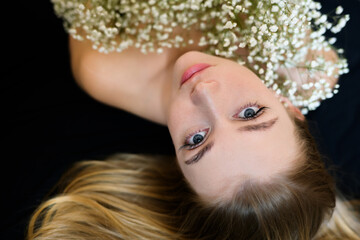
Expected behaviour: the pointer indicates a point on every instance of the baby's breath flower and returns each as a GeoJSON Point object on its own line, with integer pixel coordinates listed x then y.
{"type": "Point", "coordinates": [274, 33]}
{"type": "Point", "coordinates": [339, 10]}
{"type": "Point", "coordinates": [253, 42]}
{"type": "Point", "coordinates": [273, 28]}
{"type": "Point", "coordinates": [275, 8]}
{"type": "Point", "coordinates": [229, 25]}
{"type": "Point", "coordinates": [332, 40]}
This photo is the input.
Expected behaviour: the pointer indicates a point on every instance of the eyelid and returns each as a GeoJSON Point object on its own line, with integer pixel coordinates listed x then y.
{"type": "Point", "coordinates": [251, 104]}
{"type": "Point", "coordinates": [258, 113]}
{"type": "Point", "coordinates": [207, 130]}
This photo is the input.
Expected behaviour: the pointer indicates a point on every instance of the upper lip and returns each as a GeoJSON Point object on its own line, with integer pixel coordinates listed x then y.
{"type": "Point", "coordinates": [191, 71]}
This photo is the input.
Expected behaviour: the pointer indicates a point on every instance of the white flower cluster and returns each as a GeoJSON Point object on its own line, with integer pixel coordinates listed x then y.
{"type": "Point", "coordinates": [277, 34]}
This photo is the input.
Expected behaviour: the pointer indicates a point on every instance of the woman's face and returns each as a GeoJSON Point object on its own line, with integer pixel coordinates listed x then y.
{"type": "Point", "coordinates": [226, 126]}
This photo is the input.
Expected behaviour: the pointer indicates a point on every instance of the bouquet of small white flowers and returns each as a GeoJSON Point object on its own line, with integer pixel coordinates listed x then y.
{"type": "Point", "coordinates": [278, 35]}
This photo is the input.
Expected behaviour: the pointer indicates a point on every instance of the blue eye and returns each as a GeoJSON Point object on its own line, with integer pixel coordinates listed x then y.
{"type": "Point", "coordinates": [196, 139]}
{"type": "Point", "coordinates": [250, 111]}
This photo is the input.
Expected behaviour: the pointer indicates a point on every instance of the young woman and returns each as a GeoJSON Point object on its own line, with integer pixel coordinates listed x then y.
{"type": "Point", "coordinates": [251, 168]}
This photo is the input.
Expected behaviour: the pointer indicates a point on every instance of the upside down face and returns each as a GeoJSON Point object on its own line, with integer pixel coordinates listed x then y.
{"type": "Point", "coordinates": [226, 125]}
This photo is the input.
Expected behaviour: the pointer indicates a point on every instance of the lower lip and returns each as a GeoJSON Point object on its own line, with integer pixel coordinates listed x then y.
{"type": "Point", "coordinates": [191, 71]}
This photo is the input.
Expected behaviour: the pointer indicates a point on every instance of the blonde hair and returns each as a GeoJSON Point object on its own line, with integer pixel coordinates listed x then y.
{"type": "Point", "coordinates": [145, 197]}
{"type": "Point", "coordinates": [124, 197]}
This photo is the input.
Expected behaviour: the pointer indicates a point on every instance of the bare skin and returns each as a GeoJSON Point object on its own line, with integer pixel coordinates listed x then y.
{"type": "Point", "coordinates": [129, 80]}
{"type": "Point", "coordinates": [211, 104]}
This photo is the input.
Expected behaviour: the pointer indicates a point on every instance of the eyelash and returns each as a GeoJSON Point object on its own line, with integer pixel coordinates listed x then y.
{"type": "Point", "coordinates": [192, 146]}
{"type": "Point", "coordinates": [257, 114]}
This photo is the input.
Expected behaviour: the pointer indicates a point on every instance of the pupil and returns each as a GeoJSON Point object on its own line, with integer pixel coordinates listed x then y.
{"type": "Point", "coordinates": [249, 113]}
{"type": "Point", "coordinates": [198, 138]}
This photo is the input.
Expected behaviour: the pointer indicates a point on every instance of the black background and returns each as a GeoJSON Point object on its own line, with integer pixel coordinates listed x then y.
{"type": "Point", "coordinates": [51, 123]}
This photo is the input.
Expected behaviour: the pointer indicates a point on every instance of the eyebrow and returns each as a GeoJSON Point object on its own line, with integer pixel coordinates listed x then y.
{"type": "Point", "coordinates": [250, 128]}
{"type": "Point", "coordinates": [200, 154]}
{"type": "Point", "coordinates": [260, 126]}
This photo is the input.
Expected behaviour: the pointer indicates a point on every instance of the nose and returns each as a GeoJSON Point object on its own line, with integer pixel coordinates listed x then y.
{"type": "Point", "coordinates": [205, 93]}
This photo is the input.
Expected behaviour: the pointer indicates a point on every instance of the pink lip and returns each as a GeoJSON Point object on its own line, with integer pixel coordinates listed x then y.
{"type": "Point", "coordinates": [191, 71]}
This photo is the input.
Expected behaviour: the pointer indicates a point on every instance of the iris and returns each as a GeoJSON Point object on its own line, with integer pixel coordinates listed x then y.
{"type": "Point", "coordinates": [249, 113]}
{"type": "Point", "coordinates": [198, 138]}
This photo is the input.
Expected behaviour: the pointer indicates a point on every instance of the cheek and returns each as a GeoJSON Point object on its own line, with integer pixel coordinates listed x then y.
{"type": "Point", "coordinates": [175, 113]}
{"type": "Point", "coordinates": [180, 111]}
{"type": "Point", "coordinates": [177, 118]}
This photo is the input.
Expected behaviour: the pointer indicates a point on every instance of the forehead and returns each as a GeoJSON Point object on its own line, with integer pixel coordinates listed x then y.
{"type": "Point", "coordinates": [237, 156]}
